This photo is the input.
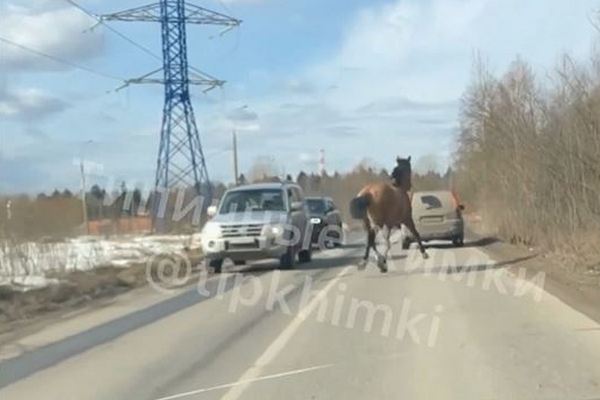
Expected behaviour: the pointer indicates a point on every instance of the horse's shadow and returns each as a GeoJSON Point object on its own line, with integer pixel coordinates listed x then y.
{"type": "Point", "coordinates": [451, 270]}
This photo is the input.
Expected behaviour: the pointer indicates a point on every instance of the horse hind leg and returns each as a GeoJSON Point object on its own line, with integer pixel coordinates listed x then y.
{"type": "Point", "coordinates": [410, 224]}
{"type": "Point", "coordinates": [370, 242]}
{"type": "Point", "coordinates": [380, 258]}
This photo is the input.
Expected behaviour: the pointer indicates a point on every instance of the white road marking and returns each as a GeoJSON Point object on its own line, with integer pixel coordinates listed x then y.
{"type": "Point", "coordinates": [239, 382]}
{"type": "Point", "coordinates": [280, 342]}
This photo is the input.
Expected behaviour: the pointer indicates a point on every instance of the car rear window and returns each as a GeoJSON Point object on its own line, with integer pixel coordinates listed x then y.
{"type": "Point", "coordinates": [430, 202]}
{"type": "Point", "coordinates": [441, 201]}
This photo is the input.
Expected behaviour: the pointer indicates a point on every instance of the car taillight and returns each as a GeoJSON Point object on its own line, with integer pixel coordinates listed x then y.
{"type": "Point", "coordinates": [456, 204]}
{"type": "Point", "coordinates": [455, 199]}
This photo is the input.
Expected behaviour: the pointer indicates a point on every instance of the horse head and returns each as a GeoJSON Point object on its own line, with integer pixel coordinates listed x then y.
{"type": "Point", "coordinates": [402, 173]}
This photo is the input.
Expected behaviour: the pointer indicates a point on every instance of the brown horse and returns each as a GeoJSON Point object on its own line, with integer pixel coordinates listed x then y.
{"type": "Point", "coordinates": [386, 205]}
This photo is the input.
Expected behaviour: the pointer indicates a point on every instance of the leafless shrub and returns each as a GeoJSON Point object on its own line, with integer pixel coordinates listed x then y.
{"type": "Point", "coordinates": [528, 156]}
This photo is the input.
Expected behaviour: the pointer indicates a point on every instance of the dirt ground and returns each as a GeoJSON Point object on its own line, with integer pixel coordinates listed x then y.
{"type": "Point", "coordinates": [575, 282]}
{"type": "Point", "coordinates": [74, 291]}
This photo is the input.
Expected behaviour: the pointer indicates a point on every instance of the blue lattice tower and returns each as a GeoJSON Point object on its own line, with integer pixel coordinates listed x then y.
{"type": "Point", "coordinates": [181, 162]}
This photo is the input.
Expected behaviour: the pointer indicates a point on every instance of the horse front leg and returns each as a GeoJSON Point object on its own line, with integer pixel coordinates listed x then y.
{"type": "Point", "coordinates": [410, 224]}
{"type": "Point", "coordinates": [380, 258]}
{"type": "Point", "coordinates": [370, 242]}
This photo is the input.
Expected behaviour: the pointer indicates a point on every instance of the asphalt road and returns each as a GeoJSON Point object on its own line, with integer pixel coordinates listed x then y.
{"type": "Point", "coordinates": [457, 326]}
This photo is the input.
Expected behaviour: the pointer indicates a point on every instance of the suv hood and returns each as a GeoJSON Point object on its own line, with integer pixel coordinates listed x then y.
{"type": "Point", "coordinates": [253, 217]}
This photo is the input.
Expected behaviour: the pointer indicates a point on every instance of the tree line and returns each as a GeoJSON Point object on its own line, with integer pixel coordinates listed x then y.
{"type": "Point", "coordinates": [59, 214]}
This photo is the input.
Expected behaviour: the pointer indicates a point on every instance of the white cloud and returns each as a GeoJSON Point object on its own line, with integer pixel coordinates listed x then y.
{"type": "Point", "coordinates": [307, 158]}
{"type": "Point", "coordinates": [405, 48]}
{"type": "Point", "coordinates": [48, 28]}
{"type": "Point", "coordinates": [28, 104]}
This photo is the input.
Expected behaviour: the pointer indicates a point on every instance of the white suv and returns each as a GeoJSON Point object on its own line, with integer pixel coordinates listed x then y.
{"type": "Point", "coordinates": [258, 221]}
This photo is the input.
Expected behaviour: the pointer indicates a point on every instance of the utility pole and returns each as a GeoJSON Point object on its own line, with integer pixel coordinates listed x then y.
{"type": "Point", "coordinates": [235, 159]}
{"type": "Point", "coordinates": [322, 162]}
{"type": "Point", "coordinates": [83, 187]}
{"type": "Point", "coordinates": [83, 199]}
{"type": "Point", "coordinates": [181, 162]}
{"type": "Point", "coordinates": [8, 210]}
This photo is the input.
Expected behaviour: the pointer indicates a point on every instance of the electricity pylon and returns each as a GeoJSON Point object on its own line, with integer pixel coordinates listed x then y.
{"type": "Point", "coordinates": [181, 161]}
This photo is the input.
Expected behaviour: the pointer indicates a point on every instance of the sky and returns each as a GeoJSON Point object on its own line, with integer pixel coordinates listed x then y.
{"type": "Point", "coordinates": [360, 79]}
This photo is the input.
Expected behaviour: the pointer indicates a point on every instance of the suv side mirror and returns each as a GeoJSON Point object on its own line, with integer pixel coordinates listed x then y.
{"type": "Point", "coordinates": [211, 211]}
{"type": "Point", "coordinates": [296, 206]}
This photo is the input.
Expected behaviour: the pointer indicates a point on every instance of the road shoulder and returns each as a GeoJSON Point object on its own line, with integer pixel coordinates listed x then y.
{"type": "Point", "coordinates": [576, 290]}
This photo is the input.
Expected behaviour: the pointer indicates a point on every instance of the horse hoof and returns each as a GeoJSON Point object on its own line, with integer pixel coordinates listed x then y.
{"type": "Point", "coordinates": [382, 264]}
{"type": "Point", "coordinates": [362, 265]}
{"type": "Point", "coordinates": [425, 256]}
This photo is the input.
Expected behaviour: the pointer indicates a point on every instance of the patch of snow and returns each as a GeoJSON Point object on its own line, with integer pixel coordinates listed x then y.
{"type": "Point", "coordinates": [28, 263]}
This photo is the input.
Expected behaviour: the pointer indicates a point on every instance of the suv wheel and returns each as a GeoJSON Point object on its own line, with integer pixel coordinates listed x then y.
{"type": "Point", "coordinates": [304, 256]}
{"type": "Point", "coordinates": [339, 237]}
{"type": "Point", "coordinates": [216, 265]}
{"type": "Point", "coordinates": [458, 241]}
{"type": "Point", "coordinates": [239, 262]}
{"type": "Point", "coordinates": [287, 260]}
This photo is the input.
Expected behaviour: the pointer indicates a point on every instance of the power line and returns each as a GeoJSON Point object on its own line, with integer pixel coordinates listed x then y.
{"type": "Point", "coordinates": [59, 60]}
{"type": "Point", "coordinates": [113, 30]}
{"type": "Point", "coordinates": [143, 48]}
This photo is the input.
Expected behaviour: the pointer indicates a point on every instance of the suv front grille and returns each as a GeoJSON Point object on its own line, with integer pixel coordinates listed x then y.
{"type": "Point", "coordinates": [241, 230]}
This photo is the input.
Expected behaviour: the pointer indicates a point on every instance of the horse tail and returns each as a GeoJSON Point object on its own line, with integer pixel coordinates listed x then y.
{"type": "Point", "coordinates": [359, 205]}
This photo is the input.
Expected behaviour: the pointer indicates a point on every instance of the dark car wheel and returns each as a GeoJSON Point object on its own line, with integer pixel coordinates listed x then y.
{"type": "Point", "coordinates": [304, 256]}
{"type": "Point", "coordinates": [216, 265]}
{"type": "Point", "coordinates": [458, 241]}
{"type": "Point", "coordinates": [239, 262]}
{"type": "Point", "coordinates": [339, 237]}
{"type": "Point", "coordinates": [286, 261]}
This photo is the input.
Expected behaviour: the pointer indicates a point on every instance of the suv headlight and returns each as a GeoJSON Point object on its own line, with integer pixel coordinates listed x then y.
{"type": "Point", "coordinates": [275, 230]}
{"type": "Point", "coordinates": [211, 230]}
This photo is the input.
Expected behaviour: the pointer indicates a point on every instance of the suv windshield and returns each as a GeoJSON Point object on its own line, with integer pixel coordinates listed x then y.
{"type": "Point", "coordinates": [253, 200]}
{"type": "Point", "coordinates": [316, 206]}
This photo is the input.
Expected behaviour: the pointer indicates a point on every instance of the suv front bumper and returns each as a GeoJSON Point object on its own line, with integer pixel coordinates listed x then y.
{"type": "Point", "coordinates": [243, 248]}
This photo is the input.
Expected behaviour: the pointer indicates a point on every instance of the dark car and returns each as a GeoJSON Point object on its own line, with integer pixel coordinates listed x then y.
{"type": "Point", "coordinates": [324, 215]}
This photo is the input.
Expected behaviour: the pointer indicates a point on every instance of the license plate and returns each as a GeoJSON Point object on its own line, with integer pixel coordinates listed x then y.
{"type": "Point", "coordinates": [432, 220]}
{"type": "Point", "coordinates": [242, 244]}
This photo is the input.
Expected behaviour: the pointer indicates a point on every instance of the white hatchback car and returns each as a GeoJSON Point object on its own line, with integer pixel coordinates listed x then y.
{"type": "Point", "coordinates": [437, 216]}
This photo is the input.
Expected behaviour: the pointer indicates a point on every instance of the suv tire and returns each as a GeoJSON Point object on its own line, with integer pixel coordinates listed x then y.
{"type": "Point", "coordinates": [216, 265]}
{"type": "Point", "coordinates": [286, 261]}
{"type": "Point", "coordinates": [458, 241]}
{"type": "Point", "coordinates": [305, 256]}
